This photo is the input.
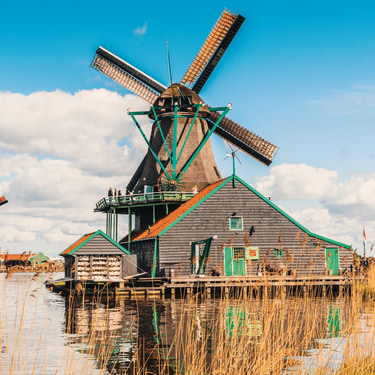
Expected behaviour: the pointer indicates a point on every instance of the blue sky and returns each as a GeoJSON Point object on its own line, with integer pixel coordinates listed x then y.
{"type": "Point", "coordinates": [300, 74]}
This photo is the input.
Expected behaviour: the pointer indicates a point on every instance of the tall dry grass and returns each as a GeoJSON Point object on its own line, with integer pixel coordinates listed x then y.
{"type": "Point", "coordinates": [198, 335]}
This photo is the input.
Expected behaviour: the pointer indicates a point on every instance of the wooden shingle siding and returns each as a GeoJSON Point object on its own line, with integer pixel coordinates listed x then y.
{"type": "Point", "coordinates": [144, 251]}
{"type": "Point", "coordinates": [271, 229]}
{"type": "Point", "coordinates": [98, 246]}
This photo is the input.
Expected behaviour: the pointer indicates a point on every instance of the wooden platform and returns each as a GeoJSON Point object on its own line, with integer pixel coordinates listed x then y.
{"type": "Point", "coordinates": [238, 285]}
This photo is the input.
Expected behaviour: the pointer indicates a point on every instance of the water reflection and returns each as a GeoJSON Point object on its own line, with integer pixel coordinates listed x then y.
{"type": "Point", "coordinates": [144, 333]}
{"type": "Point", "coordinates": [57, 334]}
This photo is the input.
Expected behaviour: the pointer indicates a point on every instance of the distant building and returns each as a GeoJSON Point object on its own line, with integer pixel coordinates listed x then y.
{"type": "Point", "coordinates": [10, 260]}
{"type": "Point", "coordinates": [38, 259]}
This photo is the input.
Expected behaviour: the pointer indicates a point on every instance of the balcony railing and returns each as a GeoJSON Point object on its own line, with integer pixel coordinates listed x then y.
{"type": "Point", "coordinates": [140, 199]}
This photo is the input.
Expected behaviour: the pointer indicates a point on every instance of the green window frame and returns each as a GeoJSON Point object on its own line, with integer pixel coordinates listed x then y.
{"type": "Point", "coordinates": [278, 253]}
{"type": "Point", "coordinates": [236, 223]}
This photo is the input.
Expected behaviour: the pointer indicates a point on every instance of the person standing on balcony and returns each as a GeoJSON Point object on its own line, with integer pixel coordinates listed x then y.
{"type": "Point", "coordinates": [110, 194]}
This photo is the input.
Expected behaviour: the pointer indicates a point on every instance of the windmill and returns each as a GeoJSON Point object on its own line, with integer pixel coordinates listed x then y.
{"type": "Point", "coordinates": [180, 153]}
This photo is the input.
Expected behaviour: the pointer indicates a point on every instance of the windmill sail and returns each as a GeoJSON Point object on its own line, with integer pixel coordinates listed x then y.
{"type": "Point", "coordinates": [247, 141]}
{"type": "Point", "coordinates": [127, 75]}
{"type": "Point", "coordinates": [212, 50]}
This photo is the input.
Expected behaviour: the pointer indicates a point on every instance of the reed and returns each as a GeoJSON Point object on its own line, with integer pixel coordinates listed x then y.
{"type": "Point", "coordinates": [243, 335]}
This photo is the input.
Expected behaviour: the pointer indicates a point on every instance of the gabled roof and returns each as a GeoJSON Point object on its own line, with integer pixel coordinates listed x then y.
{"type": "Point", "coordinates": [166, 223]}
{"type": "Point", "coordinates": [88, 237]}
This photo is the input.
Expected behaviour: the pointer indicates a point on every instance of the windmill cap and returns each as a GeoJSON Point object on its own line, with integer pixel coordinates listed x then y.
{"type": "Point", "coordinates": [185, 96]}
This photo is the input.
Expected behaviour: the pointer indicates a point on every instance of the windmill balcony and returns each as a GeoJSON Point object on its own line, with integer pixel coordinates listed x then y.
{"type": "Point", "coordinates": [142, 199]}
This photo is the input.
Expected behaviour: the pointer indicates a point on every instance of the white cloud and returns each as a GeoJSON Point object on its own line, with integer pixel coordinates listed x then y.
{"type": "Point", "coordinates": [140, 31]}
{"type": "Point", "coordinates": [89, 128]}
{"type": "Point", "coordinates": [296, 181]}
{"type": "Point", "coordinates": [331, 207]}
{"type": "Point", "coordinates": [354, 100]}
{"type": "Point", "coordinates": [59, 154]}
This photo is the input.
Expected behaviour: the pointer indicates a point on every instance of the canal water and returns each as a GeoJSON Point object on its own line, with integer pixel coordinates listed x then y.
{"type": "Point", "coordinates": [46, 333]}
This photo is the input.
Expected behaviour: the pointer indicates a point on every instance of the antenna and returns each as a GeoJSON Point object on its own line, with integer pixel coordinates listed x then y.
{"type": "Point", "coordinates": [233, 155]}
{"type": "Point", "coordinates": [169, 65]}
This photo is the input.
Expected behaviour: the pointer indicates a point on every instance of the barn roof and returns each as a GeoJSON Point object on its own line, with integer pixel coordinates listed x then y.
{"type": "Point", "coordinates": [88, 237]}
{"type": "Point", "coordinates": [169, 221]}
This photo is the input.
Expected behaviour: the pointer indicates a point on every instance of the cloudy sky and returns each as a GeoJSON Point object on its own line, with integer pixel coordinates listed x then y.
{"type": "Point", "coordinates": [300, 74]}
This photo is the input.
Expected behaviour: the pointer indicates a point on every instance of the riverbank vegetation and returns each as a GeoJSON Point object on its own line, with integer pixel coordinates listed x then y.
{"type": "Point", "coordinates": [282, 334]}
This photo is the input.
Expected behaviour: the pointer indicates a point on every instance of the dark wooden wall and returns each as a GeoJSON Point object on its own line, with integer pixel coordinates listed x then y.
{"type": "Point", "coordinates": [271, 229]}
{"type": "Point", "coordinates": [145, 254]}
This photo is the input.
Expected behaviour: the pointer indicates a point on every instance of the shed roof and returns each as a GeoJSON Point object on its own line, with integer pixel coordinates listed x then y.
{"type": "Point", "coordinates": [166, 223]}
{"type": "Point", "coordinates": [88, 237]}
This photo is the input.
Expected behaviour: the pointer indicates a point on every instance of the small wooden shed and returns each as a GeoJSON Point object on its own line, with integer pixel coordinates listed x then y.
{"type": "Point", "coordinates": [96, 257]}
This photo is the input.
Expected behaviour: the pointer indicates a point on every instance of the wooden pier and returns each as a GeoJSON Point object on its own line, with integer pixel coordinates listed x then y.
{"type": "Point", "coordinates": [238, 286]}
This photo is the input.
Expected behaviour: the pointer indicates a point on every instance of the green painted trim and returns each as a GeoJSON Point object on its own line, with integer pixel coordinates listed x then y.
{"type": "Point", "coordinates": [194, 207]}
{"type": "Point", "coordinates": [161, 132]}
{"type": "Point", "coordinates": [206, 138]}
{"type": "Point", "coordinates": [148, 143]}
{"type": "Point", "coordinates": [154, 261]}
{"type": "Point", "coordinates": [191, 127]}
{"type": "Point", "coordinates": [98, 232]}
{"type": "Point", "coordinates": [174, 158]}
{"type": "Point", "coordinates": [139, 113]}
{"type": "Point", "coordinates": [216, 109]}
{"type": "Point", "coordinates": [289, 217]}
{"type": "Point", "coordinates": [263, 198]}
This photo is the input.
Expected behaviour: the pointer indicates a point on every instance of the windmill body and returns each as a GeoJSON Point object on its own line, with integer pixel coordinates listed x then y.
{"type": "Point", "coordinates": [179, 156]}
{"type": "Point", "coordinates": [191, 129]}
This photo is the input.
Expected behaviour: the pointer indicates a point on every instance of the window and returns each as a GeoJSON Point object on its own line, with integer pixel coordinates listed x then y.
{"type": "Point", "coordinates": [238, 252]}
{"type": "Point", "coordinates": [235, 223]}
{"type": "Point", "coordinates": [278, 253]}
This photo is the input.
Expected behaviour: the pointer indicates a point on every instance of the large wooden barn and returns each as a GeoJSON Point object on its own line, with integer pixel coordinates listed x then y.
{"type": "Point", "coordinates": [244, 232]}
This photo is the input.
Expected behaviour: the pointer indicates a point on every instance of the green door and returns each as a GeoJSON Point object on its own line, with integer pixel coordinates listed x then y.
{"type": "Point", "coordinates": [332, 260]}
{"type": "Point", "coordinates": [228, 261]}
{"type": "Point", "coordinates": [239, 266]}
{"type": "Point", "coordinates": [234, 259]}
